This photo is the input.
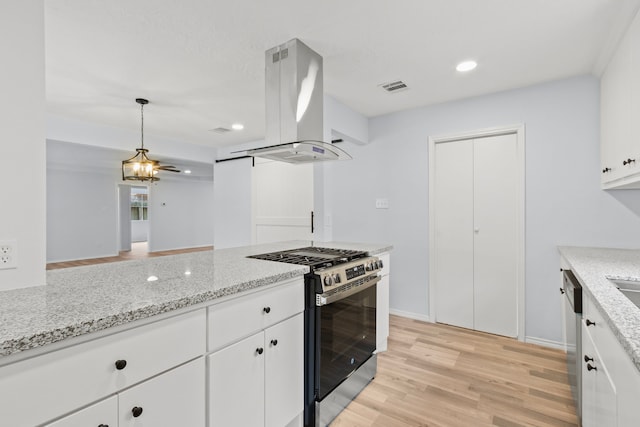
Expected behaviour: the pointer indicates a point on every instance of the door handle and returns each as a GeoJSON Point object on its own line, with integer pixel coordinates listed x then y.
{"type": "Point", "coordinates": [311, 222]}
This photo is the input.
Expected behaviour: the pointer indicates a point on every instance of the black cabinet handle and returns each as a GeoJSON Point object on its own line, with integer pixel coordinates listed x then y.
{"type": "Point", "coordinates": [312, 225]}
{"type": "Point", "coordinates": [259, 350]}
{"type": "Point", "coordinates": [121, 364]}
{"type": "Point", "coordinates": [561, 291]}
{"type": "Point", "coordinates": [136, 411]}
{"type": "Point", "coordinates": [628, 161]}
{"type": "Point", "coordinates": [590, 323]}
{"type": "Point", "coordinates": [605, 170]}
{"type": "Point", "coordinates": [267, 310]}
{"type": "Point", "coordinates": [588, 359]}
{"type": "Point", "coordinates": [274, 342]}
{"type": "Point", "coordinates": [103, 425]}
{"type": "Point", "coordinates": [591, 368]}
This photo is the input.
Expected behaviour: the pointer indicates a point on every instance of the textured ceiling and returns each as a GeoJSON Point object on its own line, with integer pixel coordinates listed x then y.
{"type": "Point", "coordinates": [201, 62]}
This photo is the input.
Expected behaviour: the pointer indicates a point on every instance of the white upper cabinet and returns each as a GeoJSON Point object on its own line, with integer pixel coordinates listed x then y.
{"type": "Point", "coordinates": [619, 109]}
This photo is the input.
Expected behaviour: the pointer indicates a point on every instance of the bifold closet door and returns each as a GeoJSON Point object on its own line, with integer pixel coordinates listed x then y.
{"type": "Point", "coordinates": [454, 233]}
{"type": "Point", "coordinates": [476, 240]}
{"type": "Point", "coordinates": [495, 243]}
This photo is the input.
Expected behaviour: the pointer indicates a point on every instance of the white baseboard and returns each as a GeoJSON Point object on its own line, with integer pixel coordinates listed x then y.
{"type": "Point", "coordinates": [545, 343]}
{"type": "Point", "coordinates": [410, 315]}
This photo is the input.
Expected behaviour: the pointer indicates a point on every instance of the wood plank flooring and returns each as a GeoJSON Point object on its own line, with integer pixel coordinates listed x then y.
{"type": "Point", "coordinates": [443, 376]}
{"type": "Point", "coordinates": [138, 250]}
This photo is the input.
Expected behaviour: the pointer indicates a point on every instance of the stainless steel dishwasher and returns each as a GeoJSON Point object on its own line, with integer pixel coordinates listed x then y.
{"type": "Point", "coordinates": [572, 291]}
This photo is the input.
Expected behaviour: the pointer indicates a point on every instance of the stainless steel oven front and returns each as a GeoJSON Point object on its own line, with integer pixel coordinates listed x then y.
{"type": "Point", "coordinates": [340, 322]}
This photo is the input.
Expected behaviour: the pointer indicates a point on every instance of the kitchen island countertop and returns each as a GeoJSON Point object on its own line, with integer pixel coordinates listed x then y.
{"type": "Point", "coordinates": [593, 267]}
{"type": "Point", "coordinates": [80, 300]}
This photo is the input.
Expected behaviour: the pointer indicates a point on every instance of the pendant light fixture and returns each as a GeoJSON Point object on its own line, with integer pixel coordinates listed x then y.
{"type": "Point", "coordinates": [140, 167]}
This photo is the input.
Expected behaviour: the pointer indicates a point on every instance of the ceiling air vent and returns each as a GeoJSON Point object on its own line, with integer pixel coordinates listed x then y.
{"type": "Point", "coordinates": [220, 130]}
{"type": "Point", "coordinates": [396, 86]}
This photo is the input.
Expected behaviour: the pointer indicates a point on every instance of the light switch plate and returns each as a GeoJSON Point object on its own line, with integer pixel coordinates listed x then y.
{"type": "Point", "coordinates": [382, 203]}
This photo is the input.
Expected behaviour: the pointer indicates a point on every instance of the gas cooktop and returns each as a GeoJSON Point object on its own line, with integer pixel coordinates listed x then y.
{"type": "Point", "coordinates": [313, 256]}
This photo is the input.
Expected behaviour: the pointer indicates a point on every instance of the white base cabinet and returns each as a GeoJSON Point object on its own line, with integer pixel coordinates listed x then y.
{"type": "Point", "coordinates": [610, 380]}
{"type": "Point", "coordinates": [259, 380]}
{"type": "Point", "coordinates": [162, 374]}
{"type": "Point", "coordinates": [382, 304]}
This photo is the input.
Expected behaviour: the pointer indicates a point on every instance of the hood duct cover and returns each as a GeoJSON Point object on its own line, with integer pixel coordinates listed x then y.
{"type": "Point", "coordinates": [294, 107]}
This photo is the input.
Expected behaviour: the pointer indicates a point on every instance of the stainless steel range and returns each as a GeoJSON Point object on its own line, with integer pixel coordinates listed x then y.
{"type": "Point", "coordinates": [340, 326]}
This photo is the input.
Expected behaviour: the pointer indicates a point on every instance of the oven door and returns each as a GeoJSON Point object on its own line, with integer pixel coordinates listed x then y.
{"type": "Point", "coordinates": [345, 335]}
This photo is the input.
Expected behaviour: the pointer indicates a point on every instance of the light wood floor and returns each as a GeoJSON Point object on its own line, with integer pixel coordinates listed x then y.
{"type": "Point", "coordinates": [138, 250]}
{"type": "Point", "coordinates": [438, 375]}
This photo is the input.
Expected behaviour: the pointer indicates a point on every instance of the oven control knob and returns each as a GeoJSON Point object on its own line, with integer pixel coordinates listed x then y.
{"type": "Point", "coordinates": [369, 267]}
{"type": "Point", "coordinates": [328, 280]}
{"type": "Point", "coordinates": [336, 278]}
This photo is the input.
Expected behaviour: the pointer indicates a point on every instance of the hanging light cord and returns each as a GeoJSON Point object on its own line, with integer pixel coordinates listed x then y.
{"type": "Point", "coordinates": [142, 125]}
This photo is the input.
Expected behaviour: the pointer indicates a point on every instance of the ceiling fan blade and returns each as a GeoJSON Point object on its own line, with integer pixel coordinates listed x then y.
{"type": "Point", "coordinates": [167, 168]}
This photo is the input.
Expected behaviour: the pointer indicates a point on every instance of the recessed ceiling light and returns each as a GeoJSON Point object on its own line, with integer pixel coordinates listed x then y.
{"type": "Point", "coordinates": [237, 126]}
{"type": "Point", "coordinates": [187, 171]}
{"type": "Point", "coordinates": [152, 278]}
{"type": "Point", "coordinates": [466, 66]}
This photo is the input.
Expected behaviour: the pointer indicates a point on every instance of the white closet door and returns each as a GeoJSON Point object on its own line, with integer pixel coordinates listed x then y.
{"type": "Point", "coordinates": [454, 232]}
{"type": "Point", "coordinates": [495, 247]}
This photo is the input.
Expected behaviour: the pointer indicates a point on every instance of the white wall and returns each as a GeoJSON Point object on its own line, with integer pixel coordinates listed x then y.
{"type": "Point", "coordinates": [564, 203]}
{"type": "Point", "coordinates": [180, 214]}
{"type": "Point", "coordinates": [82, 214]}
{"type": "Point", "coordinates": [22, 140]}
{"type": "Point", "coordinates": [232, 203]}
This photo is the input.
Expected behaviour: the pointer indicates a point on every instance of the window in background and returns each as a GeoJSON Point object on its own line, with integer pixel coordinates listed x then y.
{"type": "Point", "coordinates": [139, 201]}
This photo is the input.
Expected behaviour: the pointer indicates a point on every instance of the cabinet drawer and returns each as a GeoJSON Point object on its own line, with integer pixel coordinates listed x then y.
{"type": "Point", "coordinates": [104, 413]}
{"type": "Point", "coordinates": [233, 320]}
{"type": "Point", "coordinates": [592, 318]}
{"type": "Point", "coordinates": [39, 389]}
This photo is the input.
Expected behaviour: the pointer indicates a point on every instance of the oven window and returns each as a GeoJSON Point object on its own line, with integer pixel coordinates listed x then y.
{"type": "Point", "coordinates": [347, 337]}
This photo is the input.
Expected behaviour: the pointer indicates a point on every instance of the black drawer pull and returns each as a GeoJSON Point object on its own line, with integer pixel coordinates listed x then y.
{"type": "Point", "coordinates": [121, 364]}
{"type": "Point", "coordinates": [274, 342]}
{"type": "Point", "coordinates": [259, 350]}
{"type": "Point", "coordinates": [628, 161]}
{"type": "Point", "coordinates": [103, 425]}
{"type": "Point", "coordinates": [605, 170]}
{"type": "Point", "coordinates": [591, 368]}
{"type": "Point", "coordinates": [136, 411]}
{"type": "Point", "coordinates": [588, 359]}
{"type": "Point", "coordinates": [561, 291]}
{"type": "Point", "coordinates": [590, 323]}
{"type": "Point", "coordinates": [267, 310]}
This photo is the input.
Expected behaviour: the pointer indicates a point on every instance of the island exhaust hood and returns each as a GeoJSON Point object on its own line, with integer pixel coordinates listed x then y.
{"type": "Point", "coordinates": [294, 107]}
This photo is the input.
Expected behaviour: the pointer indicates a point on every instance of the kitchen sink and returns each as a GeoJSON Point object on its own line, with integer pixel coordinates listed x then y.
{"type": "Point", "coordinates": [629, 288]}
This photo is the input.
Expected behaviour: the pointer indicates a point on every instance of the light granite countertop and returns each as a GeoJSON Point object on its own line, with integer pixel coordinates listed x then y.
{"type": "Point", "coordinates": [80, 300]}
{"type": "Point", "coordinates": [593, 267]}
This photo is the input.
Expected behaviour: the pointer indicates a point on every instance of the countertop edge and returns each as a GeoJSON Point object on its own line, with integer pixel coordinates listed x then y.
{"type": "Point", "coordinates": [625, 340]}
{"type": "Point", "coordinates": [43, 338]}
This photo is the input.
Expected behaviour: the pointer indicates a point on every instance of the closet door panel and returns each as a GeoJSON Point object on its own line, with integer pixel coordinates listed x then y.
{"type": "Point", "coordinates": [495, 234]}
{"type": "Point", "coordinates": [454, 233]}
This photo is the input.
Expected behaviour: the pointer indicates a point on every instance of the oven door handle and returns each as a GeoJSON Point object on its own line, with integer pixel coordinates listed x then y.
{"type": "Point", "coordinates": [322, 299]}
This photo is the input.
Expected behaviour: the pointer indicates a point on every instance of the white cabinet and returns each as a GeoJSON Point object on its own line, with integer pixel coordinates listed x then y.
{"type": "Point", "coordinates": [259, 381]}
{"type": "Point", "coordinates": [599, 407]}
{"type": "Point", "coordinates": [382, 304]}
{"type": "Point", "coordinates": [258, 359]}
{"type": "Point", "coordinates": [175, 398]}
{"type": "Point", "coordinates": [610, 380]}
{"type": "Point", "coordinates": [476, 225]}
{"type": "Point", "coordinates": [619, 108]}
{"type": "Point", "coordinates": [96, 369]}
{"type": "Point", "coordinates": [101, 414]}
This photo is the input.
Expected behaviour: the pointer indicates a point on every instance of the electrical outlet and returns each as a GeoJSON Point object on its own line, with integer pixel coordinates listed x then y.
{"type": "Point", "coordinates": [382, 203]}
{"type": "Point", "coordinates": [8, 254]}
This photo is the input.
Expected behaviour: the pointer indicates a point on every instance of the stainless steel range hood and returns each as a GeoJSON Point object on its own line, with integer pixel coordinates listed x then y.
{"type": "Point", "coordinates": [294, 107]}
